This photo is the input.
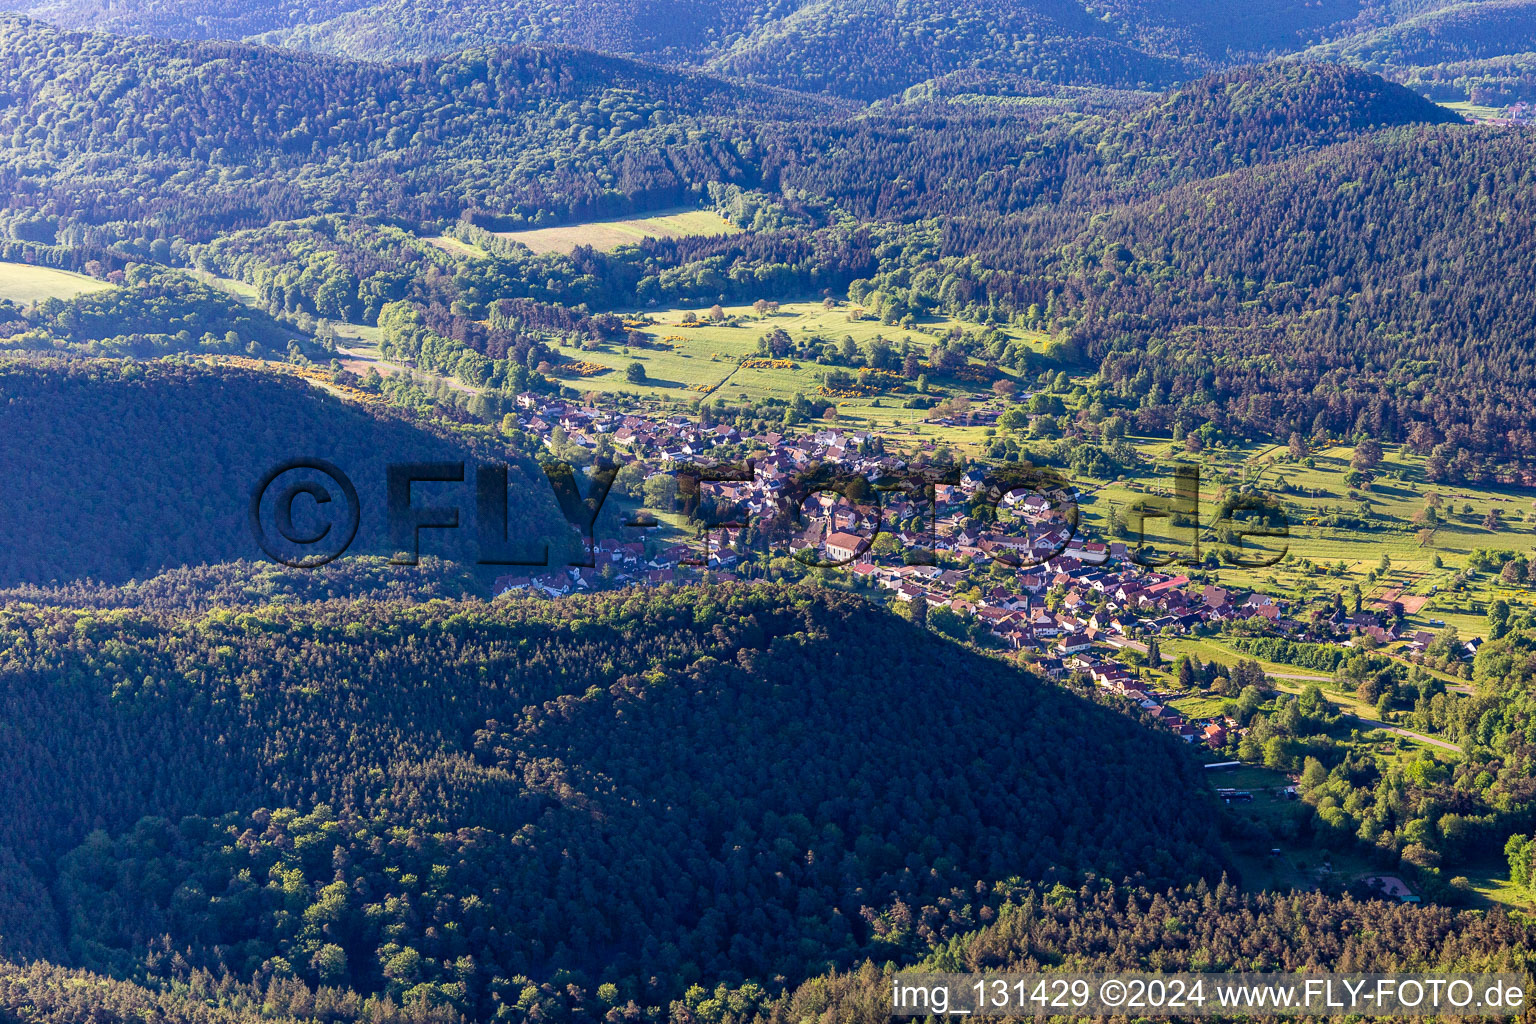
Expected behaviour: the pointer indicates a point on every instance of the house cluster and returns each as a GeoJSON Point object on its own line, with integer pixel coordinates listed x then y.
{"type": "Point", "coordinates": [667, 440]}
{"type": "Point", "coordinates": [1385, 629]}
{"type": "Point", "coordinates": [1074, 601]}
{"type": "Point", "coordinates": [615, 564]}
{"type": "Point", "coordinates": [1116, 679]}
{"type": "Point", "coordinates": [662, 444]}
{"type": "Point", "coordinates": [1516, 114]}
{"type": "Point", "coordinates": [1024, 572]}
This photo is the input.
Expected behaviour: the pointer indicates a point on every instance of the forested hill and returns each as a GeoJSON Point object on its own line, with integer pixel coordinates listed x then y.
{"type": "Point", "coordinates": [246, 136]}
{"type": "Point", "coordinates": [1204, 928]}
{"type": "Point", "coordinates": [683, 31]}
{"type": "Point", "coordinates": [1225, 215]}
{"type": "Point", "coordinates": [989, 160]}
{"type": "Point", "coordinates": [868, 49]}
{"type": "Point", "coordinates": [131, 468]}
{"type": "Point", "coordinates": [1048, 221]}
{"type": "Point", "coordinates": [872, 48]}
{"type": "Point", "coordinates": [474, 806]}
{"type": "Point", "coordinates": [1258, 115]}
{"type": "Point", "coordinates": [1099, 927]}
{"type": "Point", "coordinates": [242, 135]}
{"type": "Point", "coordinates": [861, 48]}
{"type": "Point", "coordinates": [1449, 49]}
{"type": "Point", "coordinates": [254, 584]}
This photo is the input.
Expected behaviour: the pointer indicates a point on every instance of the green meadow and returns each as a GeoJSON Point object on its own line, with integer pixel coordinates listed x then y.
{"type": "Point", "coordinates": [686, 364]}
{"type": "Point", "coordinates": [23, 283]}
{"type": "Point", "coordinates": [246, 293]}
{"type": "Point", "coordinates": [1319, 559]}
{"type": "Point", "coordinates": [1474, 111]}
{"type": "Point", "coordinates": [610, 234]}
{"type": "Point", "coordinates": [1271, 843]}
{"type": "Point", "coordinates": [693, 360]}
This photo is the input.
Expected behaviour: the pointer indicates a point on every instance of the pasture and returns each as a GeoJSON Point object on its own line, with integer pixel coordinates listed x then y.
{"type": "Point", "coordinates": [1474, 111]}
{"type": "Point", "coordinates": [685, 363]}
{"type": "Point", "coordinates": [604, 235]}
{"type": "Point", "coordinates": [246, 293]}
{"type": "Point", "coordinates": [1271, 823]}
{"type": "Point", "coordinates": [1324, 557]}
{"type": "Point", "coordinates": [23, 283]}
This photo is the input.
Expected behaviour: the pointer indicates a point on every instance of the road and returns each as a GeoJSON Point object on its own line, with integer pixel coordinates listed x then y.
{"type": "Point", "coordinates": [1432, 741]}
{"type": "Point", "coordinates": [1371, 723]}
{"type": "Point", "coordinates": [1368, 722]}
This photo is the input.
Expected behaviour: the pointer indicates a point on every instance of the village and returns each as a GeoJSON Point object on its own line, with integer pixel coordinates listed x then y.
{"type": "Point", "coordinates": [1014, 567]}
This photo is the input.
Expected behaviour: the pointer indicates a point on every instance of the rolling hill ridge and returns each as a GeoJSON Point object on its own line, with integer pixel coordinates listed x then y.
{"type": "Point", "coordinates": [362, 794]}
{"type": "Point", "coordinates": [867, 48]}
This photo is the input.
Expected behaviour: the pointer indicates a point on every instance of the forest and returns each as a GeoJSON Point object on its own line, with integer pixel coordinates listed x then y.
{"type": "Point", "coordinates": [116, 492]}
{"type": "Point", "coordinates": [817, 45]}
{"type": "Point", "coordinates": [475, 806]}
{"type": "Point", "coordinates": [1101, 926]}
{"type": "Point", "coordinates": [1095, 926]}
{"type": "Point", "coordinates": [1287, 249]}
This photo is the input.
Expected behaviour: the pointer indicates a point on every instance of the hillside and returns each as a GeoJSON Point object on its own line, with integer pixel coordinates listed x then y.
{"type": "Point", "coordinates": [872, 48]}
{"type": "Point", "coordinates": [1039, 930]}
{"type": "Point", "coordinates": [1023, 213]}
{"type": "Point", "coordinates": [134, 468]}
{"type": "Point", "coordinates": [1236, 254]}
{"type": "Point", "coordinates": [1259, 115]}
{"type": "Point", "coordinates": [1448, 49]}
{"type": "Point", "coordinates": [242, 135]}
{"type": "Point", "coordinates": [1296, 287]}
{"type": "Point", "coordinates": [153, 313]}
{"type": "Point", "coordinates": [391, 29]}
{"type": "Point", "coordinates": [867, 50]}
{"type": "Point", "coordinates": [254, 584]}
{"type": "Point", "coordinates": [453, 802]}
{"type": "Point", "coordinates": [1104, 928]}
{"type": "Point", "coordinates": [676, 32]}
{"type": "Point", "coordinates": [1441, 32]}
{"type": "Point", "coordinates": [530, 137]}
{"type": "Point", "coordinates": [1000, 159]}
{"type": "Point", "coordinates": [257, 766]}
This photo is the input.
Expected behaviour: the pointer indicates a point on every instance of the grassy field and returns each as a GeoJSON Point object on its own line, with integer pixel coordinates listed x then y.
{"type": "Point", "coordinates": [1272, 844]}
{"type": "Point", "coordinates": [1322, 559]}
{"type": "Point", "coordinates": [1273, 822]}
{"type": "Point", "coordinates": [1293, 680]}
{"type": "Point", "coordinates": [453, 245]}
{"type": "Point", "coordinates": [1491, 883]}
{"type": "Point", "coordinates": [358, 349]}
{"type": "Point", "coordinates": [701, 359]}
{"type": "Point", "coordinates": [1473, 111]}
{"type": "Point", "coordinates": [24, 283]}
{"type": "Point", "coordinates": [686, 364]}
{"type": "Point", "coordinates": [610, 234]}
{"type": "Point", "coordinates": [246, 293]}
{"type": "Point", "coordinates": [1198, 707]}
{"type": "Point", "coordinates": [1211, 650]}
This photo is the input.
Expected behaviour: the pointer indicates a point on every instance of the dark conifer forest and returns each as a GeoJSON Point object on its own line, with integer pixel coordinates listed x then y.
{"type": "Point", "coordinates": [648, 790]}
{"type": "Point", "coordinates": [131, 468]}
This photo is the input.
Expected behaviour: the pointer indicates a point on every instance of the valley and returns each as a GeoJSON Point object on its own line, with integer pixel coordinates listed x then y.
{"type": "Point", "coordinates": [603, 512]}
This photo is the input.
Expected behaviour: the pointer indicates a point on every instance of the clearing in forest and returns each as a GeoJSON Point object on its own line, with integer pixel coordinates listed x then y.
{"type": "Point", "coordinates": [24, 283]}
{"type": "Point", "coordinates": [610, 234]}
